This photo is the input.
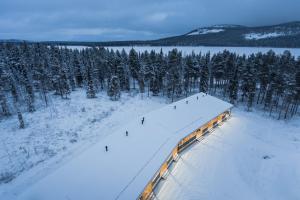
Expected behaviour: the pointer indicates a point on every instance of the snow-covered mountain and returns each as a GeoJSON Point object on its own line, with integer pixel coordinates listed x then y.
{"type": "Point", "coordinates": [282, 35]}
{"type": "Point", "coordinates": [285, 35]}
{"type": "Point", "coordinates": [252, 33]}
{"type": "Point", "coordinates": [212, 29]}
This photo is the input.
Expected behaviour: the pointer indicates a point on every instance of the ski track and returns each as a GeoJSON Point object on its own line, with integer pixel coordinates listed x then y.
{"type": "Point", "coordinates": [65, 129]}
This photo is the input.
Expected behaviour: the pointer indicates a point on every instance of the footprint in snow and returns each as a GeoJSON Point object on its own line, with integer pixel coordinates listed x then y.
{"type": "Point", "coordinates": [267, 157]}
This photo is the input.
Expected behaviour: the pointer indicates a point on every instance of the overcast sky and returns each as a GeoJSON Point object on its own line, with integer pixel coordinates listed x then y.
{"type": "Point", "coordinates": [101, 20]}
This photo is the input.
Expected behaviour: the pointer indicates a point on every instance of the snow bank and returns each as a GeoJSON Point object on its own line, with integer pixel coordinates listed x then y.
{"type": "Point", "coordinates": [249, 157]}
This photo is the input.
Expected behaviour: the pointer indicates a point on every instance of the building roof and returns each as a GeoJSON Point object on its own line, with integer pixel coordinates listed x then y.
{"type": "Point", "coordinates": [131, 162]}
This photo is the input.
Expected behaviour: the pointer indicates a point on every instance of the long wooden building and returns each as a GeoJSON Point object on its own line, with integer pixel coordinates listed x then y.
{"type": "Point", "coordinates": [136, 163]}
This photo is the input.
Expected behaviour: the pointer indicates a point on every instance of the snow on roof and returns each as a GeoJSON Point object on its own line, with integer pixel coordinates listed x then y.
{"type": "Point", "coordinates": [131, 161]}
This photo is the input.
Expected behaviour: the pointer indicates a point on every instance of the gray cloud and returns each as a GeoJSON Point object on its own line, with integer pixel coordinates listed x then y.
{"type": "Point", "coordinates": [133, 19]}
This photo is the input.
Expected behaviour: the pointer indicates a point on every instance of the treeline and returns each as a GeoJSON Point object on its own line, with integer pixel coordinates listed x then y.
{"type": "Point", "coordinates": [30, 71]}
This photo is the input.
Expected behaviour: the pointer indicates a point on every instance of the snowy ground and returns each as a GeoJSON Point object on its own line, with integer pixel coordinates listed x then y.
{"type": "Point", "coordinates": [61, 131]}
{"type": "Point", "coordinates": [248, 157]}
{"type": "Point", "coordinates": [131, 161]}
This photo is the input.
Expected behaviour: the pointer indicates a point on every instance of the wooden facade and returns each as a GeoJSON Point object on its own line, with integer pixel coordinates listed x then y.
{"type": "Point", "coordinates": [185, 142]}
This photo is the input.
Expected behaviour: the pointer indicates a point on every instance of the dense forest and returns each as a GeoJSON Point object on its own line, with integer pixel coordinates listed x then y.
{"type": "Point", "coordinates": [28, 72]}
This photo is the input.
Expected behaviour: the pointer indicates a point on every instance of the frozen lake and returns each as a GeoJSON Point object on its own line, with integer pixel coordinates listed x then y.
{"type": "Point", "coordinates": [204, 49]}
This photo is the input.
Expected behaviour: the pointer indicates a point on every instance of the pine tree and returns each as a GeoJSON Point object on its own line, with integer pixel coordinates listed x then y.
{"type": "Point", "coordinates": [244, 80]}
{"type": "Point", "coordinates": [263, 75]}
{"type": "Point", "coordinates": [141, 80]}
{"type": "Point", "coordinates": [134, 65]}
{"type": "Point", "coordinates": [161, 70]}
{"type": "Point", "coordinates": [297, 90]}
{"type": "Point", "coordinates": [154, 75]}
{"type": "Point", "coordinates": [173, 73]}
{"type": "Point", "coordinates": [3, 83]}
{"type": "Point", "coordinates": [25, 78]}
{"type": "Point", "coordinates": [233, 87]}
{"type": "Point", "coordinates": [15, 94]}
{"type": "Point", "coordinates": [218, 69]}
{"type": "Point", "coordinates": [124, 70]}
{"type": "Point", "coordinates": [114, 88]}
{"type": "Point", "coordinates": [90, 93]}
{"type": "Point", "coordinates": [59, 77]}
{"type": "Point", "coordinates": [3, 99]}
{"type": "Point", "coordinates": [270, 91]}
{"type": "Point", "coordinates": [204, 75]}
{"type": "Point", "coordinates": [251, 71]}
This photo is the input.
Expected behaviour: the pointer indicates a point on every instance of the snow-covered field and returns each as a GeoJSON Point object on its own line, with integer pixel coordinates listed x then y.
{"type": "Point", "coordinates": [248, 157]}
{"type": "Point", "coordinates": [61, 131]}
{"type": "Point", "coordinates": [197, 49]}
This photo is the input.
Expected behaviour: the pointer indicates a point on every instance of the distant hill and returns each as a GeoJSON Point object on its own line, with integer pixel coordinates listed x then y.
{"type": "Point", "coordinates": [281, 35]}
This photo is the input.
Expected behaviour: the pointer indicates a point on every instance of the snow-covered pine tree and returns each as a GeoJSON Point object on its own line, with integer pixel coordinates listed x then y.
{"type": "Point", "coordinates": [251, 81]}
{"type": "Point", "coordinates": [173, 73]}
{"type": "Point", "coordinates": [41, 72]}
{"type": "Point", "coordinates": [161, 70]}
{"type": "Point", "coordinates": [147, 68]}
{"type": "Point", "coordinates": [297, 90]}
{"type": "Point", "coordinates": [68, 57]}
{"type": "Point", "coordinates": [77, 65]}
{"type": "Point", "coordinates": [25, 78]}
{"type": "Point", "coordinates": [14, 87]}
{"type": "Point", "coordinates": [229, 70]}
{"type": "Point", "coordinates": [233, 86]}
{"type": "Point", "coordinates": [154, 83]}
{"type": "Point", "coordinates": [64, 86]}
{"type": "Point", "coordinates": [125, 83]}
{"type": "Point", "coordinates": [187, 72]}
{"type": "Point", "coordinates": [263, 75]}
{"type": "Point", "coordinates": [141, 80]}
{"type": "Point", "coordinates": [218, 69]}
{"type": "Point", "coordinates": [134, 65]}
{"type": "Point", "coordinates": [204, 74]}
{"type": "Point", "coordinates": [289, 64]}
{"type": "Point", "coordinates": [114, 88]}
{"type": "Point", "coordinates": [3, 83]}
{"type": "Point", "coordinates": [90, 90]}
{"type": "Point", "coordinates": [270, 90]}
{"type": "Point", "coordinates": [251, 90]}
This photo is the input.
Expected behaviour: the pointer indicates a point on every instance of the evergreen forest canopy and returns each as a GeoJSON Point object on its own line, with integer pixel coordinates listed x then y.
{"type": "Point", "coordinates": [31, 72]}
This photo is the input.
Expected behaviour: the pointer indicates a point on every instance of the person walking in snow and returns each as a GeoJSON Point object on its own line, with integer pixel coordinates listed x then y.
{"type": "Point", "coordinates": [106, 148]}
{"type": "Point", "coordinates": [143, 120]}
